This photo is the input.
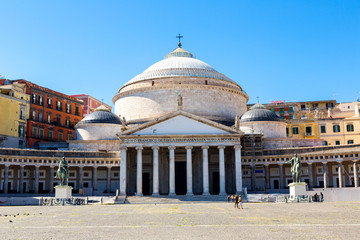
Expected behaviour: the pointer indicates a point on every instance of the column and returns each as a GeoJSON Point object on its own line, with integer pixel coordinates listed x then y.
{"type": "Point", "coordinates": [80, 177]}
{"type": "Point", "coordinates": [340, 174]}
{"type": "Point", "coordinates": [51, 179]}
{"type": "Point", "coordinates": [356, 174]}
{"type": "Point", "coordinates": [123, 170]}
{"type": "Point", "coordinates": [6, 179]}
{"type": "Point", "coordinates": [222, 170]}
{"type": "Point", "coordinates": [310, 172]}
{"type": "Point", "coordinates": [325, 175]}
{"type": "Point", "coordinates": [155, 171]}
{"type": "Point", "coordinates": [172, 170]}
{"type": "Point", "coordinates": [36, 187]}
{"type": "Point", "coordinates": [253, 175]}
{"type": "Point", "coordinates": [94, 178]}
{"type": "Point", "coordinates": [189, 181]}
{"type": "Point", "coordinates": [281, 174]}
{"type": "Point", "coordinates": [108, 180]}
{"type": "Point", "coordinates": [205, 170]}
{"type": "Point", "coordinates": [21, 180]}
{"type": "Point", "coordinates": [238, 170]}
{"type": "Point", "coordinates": [267, 176]}
{"type": "Point", "coordinates": [139, 172]}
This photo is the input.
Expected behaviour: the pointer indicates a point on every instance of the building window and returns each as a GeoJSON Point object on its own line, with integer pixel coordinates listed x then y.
{"type": "Point", "coordinates": [350, 127]}
{"type": "Point", "coordinates": [34, 132]}
{"type": "Point", "coordinates": [325, 143]}
{"type": "Point", "coordinates": [303, 107]}
{"type": "Point", "coordinates": [51, 135]}
{"type": "Point", "coordinates": [337, 142]}
{"type": "Point", "coordinates": [41, 133]}
{"type": "Point", "coordinates": [67, 122]}
{"type": "Point", "coordinates": [323, 129]}
{"type": "Point", "coordinates": [68, 108]}
{"type": "Point", "coordinates": [49, 117]}
{"type": "Point", "coordinates": [315, 106]}
{"type": "Point", "coordinates": [291, 109]}
{"type": "Point", "coordinates": [329, 105]}
{"type": "Point", "coordinates": [59, 105]}
{"type": "Point", "coordinates": [49, 102]}
{"type": "Point", "coordinates": [308, 131]}
{"type": "Point", "coordinates": [281, 110]}
{"type": "Point", "coordinates": [22, 113]}
{"type": "Point", "coordinates": [41, 100]}
{"type": "Point", "coordinates": [58, 119]}
{"type": "Point", "coordinates": [282, 117]}
{"type": "Point", "coordinates": [291, 116]}
{"type": "Point", "coordinates": [21, 131]}
{"type": "Point", "coordinates": [40, 116]}
{"type": "Point", "coordinates": [33, 98]}
{"type": "Point", "coordinates": [336, 128]}
{"type": "Point", "coordinates": [60, 137]}
{"type": "Point", "coordinates": [350, 141]}
{"type": "Point", "coordinates": [77, 110]}
{"type": "Point", "coordinates": [287, 131]}
{"type": "Point", "coordinates": [295, 130]}
{"type": "Point", "coordinates": [33, 114]}
{"type": "Point", "coordinates": [69, 136]}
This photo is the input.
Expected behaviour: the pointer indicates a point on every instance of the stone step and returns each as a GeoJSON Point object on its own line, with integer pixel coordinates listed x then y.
{"type": "Point", "coordinates": [173, 199]}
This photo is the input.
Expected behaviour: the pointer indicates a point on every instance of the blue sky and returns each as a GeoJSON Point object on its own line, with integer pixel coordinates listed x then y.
{"type": "Point", "coordinates": [276, 49]}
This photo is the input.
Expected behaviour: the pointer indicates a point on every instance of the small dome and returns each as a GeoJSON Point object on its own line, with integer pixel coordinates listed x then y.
{"type": "Point", "coordinates": [259, 113]}
{"type": "Point", "coordinates": [101, 115]}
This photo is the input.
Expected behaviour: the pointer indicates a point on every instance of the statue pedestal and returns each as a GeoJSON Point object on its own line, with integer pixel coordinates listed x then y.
{"type": "Point", "coordinates": [298, 189]}
{"type": "Point", "coordinates": [63, 192]}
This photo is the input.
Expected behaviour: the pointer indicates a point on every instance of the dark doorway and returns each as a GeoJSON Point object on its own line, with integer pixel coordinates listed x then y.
{"type": "Point", "coordinates": [216, 183]}
{"type": "Point", "coordinates": [180, 178]}
{"type": "Point", "coordinates": [146, 183]}
{"type": "Point", "coordinates": [41, 187]}
{"type": "Point", "coordinates": [24, 187]}
{"type": "Point", "coordinates": [276, 184]}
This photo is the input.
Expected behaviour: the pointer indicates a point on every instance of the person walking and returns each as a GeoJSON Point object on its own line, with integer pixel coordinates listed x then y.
{"type": "Point", "coordinates": [240, 201]}
{"type": "Point", "coordinates": [236, 201]}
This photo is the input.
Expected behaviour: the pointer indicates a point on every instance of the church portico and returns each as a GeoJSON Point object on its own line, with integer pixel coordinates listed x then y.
{"type": "Point", "coordinates": [181, 162]}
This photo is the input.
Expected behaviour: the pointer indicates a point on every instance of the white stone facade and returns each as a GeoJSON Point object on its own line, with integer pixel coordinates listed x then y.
{"type": "Point", "coordinates": [212, 102]}
{"type": "Point", "coordinates": [97, 131]}
{"type": "Point", "coordinates": [270, 129]}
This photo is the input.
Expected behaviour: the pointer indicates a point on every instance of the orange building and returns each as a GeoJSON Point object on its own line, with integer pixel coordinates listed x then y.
{"type": "Point", "coordinates": [53, 115]}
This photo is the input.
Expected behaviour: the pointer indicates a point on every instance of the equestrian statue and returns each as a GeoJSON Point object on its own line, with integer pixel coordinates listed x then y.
{"type": "Point", "coordinates": [63, 172]}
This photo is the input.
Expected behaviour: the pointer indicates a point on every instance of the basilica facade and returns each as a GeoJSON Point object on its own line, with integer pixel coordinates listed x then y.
{"type": "Point", "coordinates": [181, 128]}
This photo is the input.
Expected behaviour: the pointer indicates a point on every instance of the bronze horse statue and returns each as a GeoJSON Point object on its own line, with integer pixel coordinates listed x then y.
{"type": "Point", "coordinates": [63, 172]}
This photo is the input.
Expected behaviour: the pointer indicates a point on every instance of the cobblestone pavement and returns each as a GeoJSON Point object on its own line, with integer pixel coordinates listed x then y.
{"type": "Point", "coordinates": [219, 220]}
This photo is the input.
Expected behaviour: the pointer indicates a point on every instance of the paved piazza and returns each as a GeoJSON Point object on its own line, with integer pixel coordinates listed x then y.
{"type": "Point", "coordinates": [219, 220]}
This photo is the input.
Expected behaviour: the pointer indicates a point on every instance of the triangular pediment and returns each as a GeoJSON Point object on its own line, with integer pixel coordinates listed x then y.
{"type": "Point", "coordinates": [180, 123]}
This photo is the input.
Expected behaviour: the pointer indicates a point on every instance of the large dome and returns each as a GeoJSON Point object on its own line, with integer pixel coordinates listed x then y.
{"type": "Point", "coordinates": [205, 91]}
{"type": "Point", "coordinates": [101, 115]}
{"type": "Point", "coordinates": [179, 63]}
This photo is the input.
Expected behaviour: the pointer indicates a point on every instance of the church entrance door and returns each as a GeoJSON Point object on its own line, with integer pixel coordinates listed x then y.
{"type": "Point", "coordinates": [180, 178]}
{"type": "Point", "coordinates": [146, 183]}
{"type": "Point", "coordinates": [215, 183]}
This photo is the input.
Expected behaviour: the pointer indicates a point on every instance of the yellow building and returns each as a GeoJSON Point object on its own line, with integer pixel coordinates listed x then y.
{"type": "Point", "coordinates": [314, 109]}
{"type": "Point", "coordinates": [302, 129]}
{"type": "Point", "coordinates": [14, 112]}
{"type": "Point", "coordinates": [339, 131]}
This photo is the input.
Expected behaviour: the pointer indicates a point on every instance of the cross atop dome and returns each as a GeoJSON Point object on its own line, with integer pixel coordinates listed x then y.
{"type": "Point", "coordinates": [179, 37]}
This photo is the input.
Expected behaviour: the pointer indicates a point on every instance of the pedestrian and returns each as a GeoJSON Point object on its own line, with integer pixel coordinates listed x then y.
{"type": "Point", "coordinates": [240, 201]}
{"type": "Point", "coordinates": [321, 197]}
{"type": "Point", "coordinates": [228, 198]}
{"type": "Point", "coordinates": [236, 202]}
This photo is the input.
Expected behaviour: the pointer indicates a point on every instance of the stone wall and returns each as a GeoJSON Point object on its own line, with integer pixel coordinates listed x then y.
{"type": "Point", "coordinates": [276, 143]}
{"type": "Point", "coordinates": [268, 128]}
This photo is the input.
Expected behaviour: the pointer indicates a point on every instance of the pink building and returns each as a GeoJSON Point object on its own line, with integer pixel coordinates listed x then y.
{"type": "Point", "coordinates": [90, 103]}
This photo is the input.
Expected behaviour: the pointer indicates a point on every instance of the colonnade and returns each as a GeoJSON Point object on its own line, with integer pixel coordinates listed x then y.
{"type": "Point", "coordinates": [189, 177]}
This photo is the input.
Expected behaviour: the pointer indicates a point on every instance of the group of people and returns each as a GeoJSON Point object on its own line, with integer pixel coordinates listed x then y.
{"type": "Point", "coordinates": [237, 199]}
{"type": "Point", "coordinates": [318, 198]}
